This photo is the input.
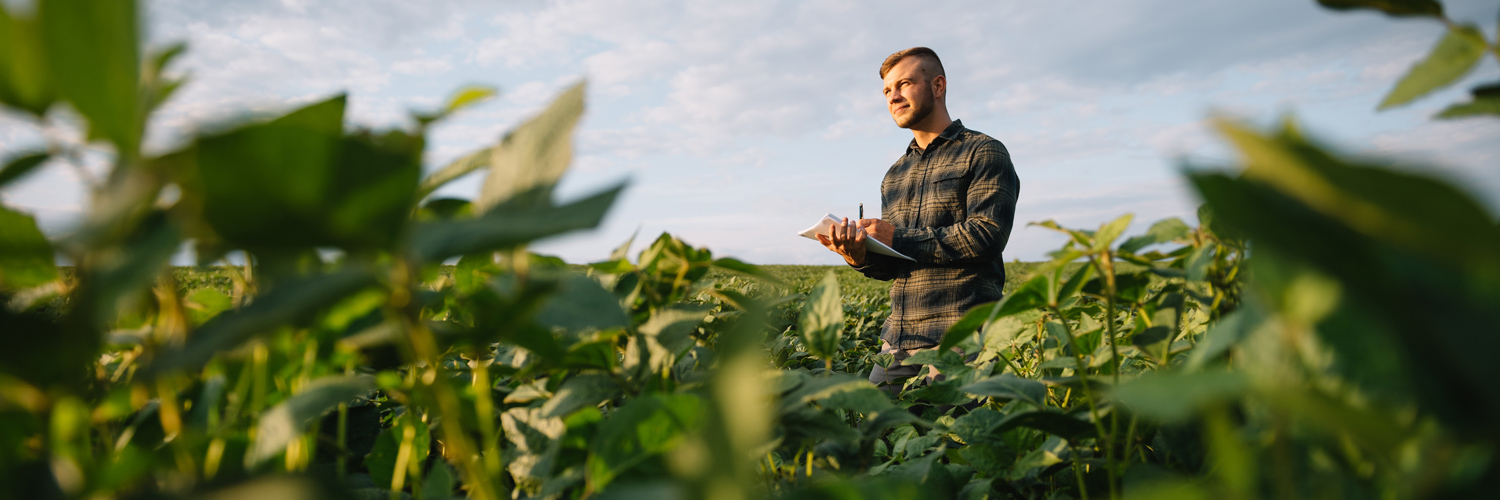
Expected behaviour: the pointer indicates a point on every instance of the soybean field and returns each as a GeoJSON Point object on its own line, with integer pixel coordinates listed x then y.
{"type": "Point", "coordinates": [1325, 328]}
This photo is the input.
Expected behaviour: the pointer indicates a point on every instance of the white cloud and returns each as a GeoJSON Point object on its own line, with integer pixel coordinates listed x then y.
{"type": "Point", "coordinates": [773, 108]}
{"type": "Point", "coordinates": [424, 66]}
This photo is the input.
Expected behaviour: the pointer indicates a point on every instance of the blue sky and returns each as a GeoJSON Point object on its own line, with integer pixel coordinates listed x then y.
{"type": "Point", "coordinates": [740, 123]}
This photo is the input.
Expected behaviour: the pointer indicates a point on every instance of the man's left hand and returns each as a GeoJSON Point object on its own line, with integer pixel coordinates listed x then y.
{"type": "Point", "coordinates": [847, 240]}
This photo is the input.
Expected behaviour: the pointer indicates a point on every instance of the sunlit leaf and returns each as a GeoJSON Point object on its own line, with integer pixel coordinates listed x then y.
{"type": "Point", "coordinates": [1452, 58]}
{"type": "Point", "coordinates": [673, 326]}
{"type": "Point", "coordinates": [821, 323]}
{"type": "Point", "coordinates": [1162, 231]}
{"type": "Point", "coordinates": [529, 160]}
{"type": "Point", "coordinates": [645, 426]}
{"type": "Point", "coordinates": [1110, 231]}
{"type": "Point", "coordinates": [534, 441]}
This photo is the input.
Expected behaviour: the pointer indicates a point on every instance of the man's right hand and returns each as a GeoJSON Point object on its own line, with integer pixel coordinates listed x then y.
{"type": "Point", "coordinates": [847, 240]}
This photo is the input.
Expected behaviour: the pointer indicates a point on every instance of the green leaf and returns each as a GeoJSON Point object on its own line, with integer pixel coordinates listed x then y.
{"type": "Point", "coordinates": [580, 391]}
{"type": "Point", "coordinates": [1057, 424]}
{"type": "Point", "coordinates": [534, 444]}
{"type": "Point", "coordinates": [294, 302]}
{"type": "Point", "coordinates": [1394, 8]}
{"type": "Point", "coordinates": [1006, 387]}
{"type": "Point", "coordinates": [950, 363]}
{"type": "Point", "coordinates": [440, 481]}
{"type": "Point", "coordinates": [1163, 231]}
{"type": "Point", "coordinates": [94, 55]}
{"type": "Point", "coordinates": [381, 461]}
{"type": "Point", "coordinates": [978, 426]}
{"type": "Point", "coordinates": [821, 324]}
{"type": "Point", "coordinates": [866, 399]}
{"type": "Point", "coordinates": [444, 209]}
{"type": "Point", "coordinates": [673, 326]}
{"type": "Point", "coordinates": [1110, 231]}
{"type": "Point", "coordinates": [1082, 238]}
{"type": "Point", "coordinates": [1172, 396]}
{"type": "Point", "coordinates": [526, 165]}
{"type": "Point", "coordinates": [25, 80]}
{"type": "Point", "coordinates": [1395, 206]}
{"type": "Point", "coordinates": [645, 426]}
{"type": "Point", "coordinates": [1029, 296]}
{"type": "Point", "coordinates": [1486, 102]}
{"type": "Point", "coordinates": [463, 98]}
{"type": "Point", "coordinates": [206, 303]}
{"type": "Point", "coordinates": [297, 182]}
{"type": "Point", "coordinates": [1478, 106]}
{"type": "Point", "coordinates": [25, 255]}
{"type": "Point", "coordinates": [806, 388]}
{"type": "Point", "coordinates": [453, 170]}
{"type": "Point", "coordinates": [581, 304]}
{"type": "Point", "coordinates": [1459, 50]}
{"type": "Point", "coordinates": [1000, 334]}
{"type": "Point", "coordinates": [19, 167]}
{"type": "Point", "coordinates": [1221, 336]}
{"type": "Point", "coordinates": [157, 88]}
{"type": "Point", "coordinates": [945, 392]}
{"type": "Point", "coordinates": [509, 226]}
{"type": "Point", "coordinates": [284, 422]}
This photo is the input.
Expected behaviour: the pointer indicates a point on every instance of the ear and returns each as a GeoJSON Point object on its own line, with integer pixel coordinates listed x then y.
{"type": "Point", "coordinates": [939, 87]}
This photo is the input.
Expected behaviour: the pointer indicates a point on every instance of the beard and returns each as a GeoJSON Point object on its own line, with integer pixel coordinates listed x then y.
{"type": "Point", "coordinates": [920, 108]}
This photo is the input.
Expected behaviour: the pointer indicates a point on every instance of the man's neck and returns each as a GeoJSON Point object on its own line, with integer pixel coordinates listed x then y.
{"type": "Point", "coordinates": [931, 128]}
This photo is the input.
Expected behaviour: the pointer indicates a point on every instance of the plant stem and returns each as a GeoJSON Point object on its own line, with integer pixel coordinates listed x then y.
{"type": "Point", "coordinates": [484, 408]}
{"type": "Point", "coordinates": [1083, 491]}
{"type": "Point", "coordinates": [424, 349]}
{"type": "Point", "coordinates": [1082, 370]}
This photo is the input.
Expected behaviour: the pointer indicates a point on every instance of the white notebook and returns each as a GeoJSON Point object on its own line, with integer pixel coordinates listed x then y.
{"type": "Point", "coordinates": [871, 244]}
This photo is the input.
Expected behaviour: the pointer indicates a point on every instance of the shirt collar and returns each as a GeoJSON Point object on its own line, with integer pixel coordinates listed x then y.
{"type": "Point", "coordinates": [948, 134]}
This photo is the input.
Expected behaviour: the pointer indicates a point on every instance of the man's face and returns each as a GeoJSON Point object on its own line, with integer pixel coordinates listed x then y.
{"type": "Point", "coordinates": [908, 92]}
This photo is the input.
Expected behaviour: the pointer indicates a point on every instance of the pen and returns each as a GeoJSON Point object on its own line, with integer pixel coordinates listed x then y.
{"type": "Point", "coordinates": [861, 210]}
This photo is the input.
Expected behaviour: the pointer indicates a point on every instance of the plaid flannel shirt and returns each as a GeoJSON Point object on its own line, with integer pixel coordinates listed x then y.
{"type": "Point", "coordinates": [953, 205]}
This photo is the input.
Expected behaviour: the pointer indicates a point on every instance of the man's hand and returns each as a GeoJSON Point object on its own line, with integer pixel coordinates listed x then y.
{"type": "Point", "coordinates": [879, 229]}
{"type": "Point", "coordinates": [847, 240]}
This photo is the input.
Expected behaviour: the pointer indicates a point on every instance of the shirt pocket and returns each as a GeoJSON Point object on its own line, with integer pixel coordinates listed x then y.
{"type": "Point", "coordinates": [947, 198]}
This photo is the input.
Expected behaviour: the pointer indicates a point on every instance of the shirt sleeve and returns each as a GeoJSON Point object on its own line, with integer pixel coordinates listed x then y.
{"type": "Point", "coordinates": [991, 206]}
{"type": "Point", "coordinates": [880, 267]}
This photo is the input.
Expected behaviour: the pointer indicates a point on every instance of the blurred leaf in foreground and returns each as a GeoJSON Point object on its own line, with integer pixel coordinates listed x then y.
{"type": "Point", "coordinates": [1452, 58]}
{"type": "Point", "coordinates": [25, 255]}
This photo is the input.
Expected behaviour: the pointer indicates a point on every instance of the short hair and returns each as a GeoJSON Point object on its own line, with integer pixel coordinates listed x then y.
{"type": "Point", "coordinates": [929, 57]}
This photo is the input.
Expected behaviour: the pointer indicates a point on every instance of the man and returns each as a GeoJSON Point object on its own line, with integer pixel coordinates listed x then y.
{"type": "Point", "coordinates": [948, 202]}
